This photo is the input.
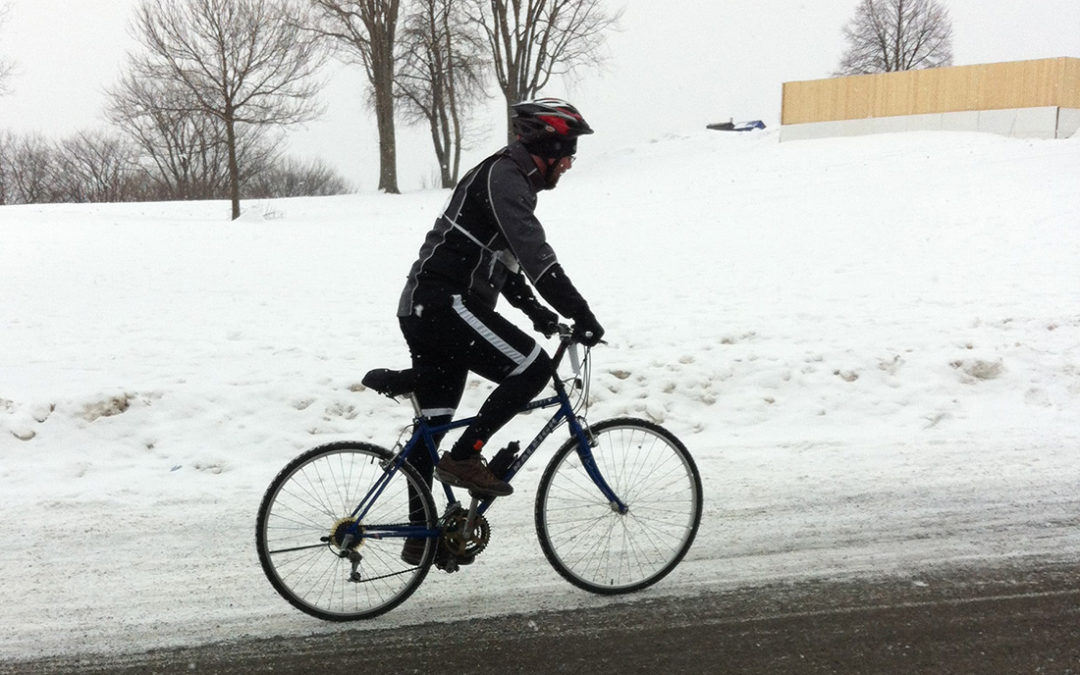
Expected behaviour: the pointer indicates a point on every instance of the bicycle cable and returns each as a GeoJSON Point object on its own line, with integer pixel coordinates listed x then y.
{"type": "Point", "coordinates": [582, 382]}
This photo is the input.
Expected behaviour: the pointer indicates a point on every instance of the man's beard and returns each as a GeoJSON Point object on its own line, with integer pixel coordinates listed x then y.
{"type": "Point", "coordinates": [552, 175]}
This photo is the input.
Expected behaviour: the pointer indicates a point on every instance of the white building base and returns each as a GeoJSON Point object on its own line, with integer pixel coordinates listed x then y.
{"type": "Point", "coordinates": [1047, 122]}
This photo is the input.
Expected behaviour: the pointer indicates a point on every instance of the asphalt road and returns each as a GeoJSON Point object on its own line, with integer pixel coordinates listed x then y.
{"type": "Point", "coordinates": [1022, 617]}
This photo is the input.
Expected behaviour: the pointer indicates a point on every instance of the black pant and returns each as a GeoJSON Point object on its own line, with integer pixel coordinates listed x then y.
{"type": "Point", "coordinates": [453, 336]}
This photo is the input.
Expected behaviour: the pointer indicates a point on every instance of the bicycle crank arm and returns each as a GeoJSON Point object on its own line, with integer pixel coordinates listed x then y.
{"type": "Point", "coordinates": [470, 520]}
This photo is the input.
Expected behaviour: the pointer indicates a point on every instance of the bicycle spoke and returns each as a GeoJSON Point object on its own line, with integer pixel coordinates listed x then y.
{"type": "Point", "coordinates": [605, 551]}
{"type": "Point", "coordinates": [302, 528]}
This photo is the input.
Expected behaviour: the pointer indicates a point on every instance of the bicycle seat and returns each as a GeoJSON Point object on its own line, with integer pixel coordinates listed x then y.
{"type": "Point", "coordinates": [392, 383]}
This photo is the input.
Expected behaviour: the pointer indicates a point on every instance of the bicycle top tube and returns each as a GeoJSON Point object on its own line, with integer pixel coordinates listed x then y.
{"type": "Point", "coordinates": [434, 429]}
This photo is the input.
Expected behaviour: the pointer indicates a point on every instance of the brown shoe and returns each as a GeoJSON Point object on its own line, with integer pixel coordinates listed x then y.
{"type": "Point", "coordinates": [473, 474]}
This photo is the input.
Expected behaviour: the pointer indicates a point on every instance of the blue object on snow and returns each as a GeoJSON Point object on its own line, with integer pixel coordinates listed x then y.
{"type": "Point", "coordinates": [737, 126]}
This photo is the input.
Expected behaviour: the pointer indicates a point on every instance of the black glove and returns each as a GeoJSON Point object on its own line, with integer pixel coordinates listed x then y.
{"type": "Point", "coordinates": [587, 330]}
{"type": "Point", "coordinates": [544, 320]}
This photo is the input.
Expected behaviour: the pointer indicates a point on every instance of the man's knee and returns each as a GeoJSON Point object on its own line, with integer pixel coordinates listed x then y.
{"type": "Point", "coordinates": [537, 375]}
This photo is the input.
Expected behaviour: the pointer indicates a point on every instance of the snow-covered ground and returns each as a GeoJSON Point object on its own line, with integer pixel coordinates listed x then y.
{"type": "Point", "coordinates": [871, 346]}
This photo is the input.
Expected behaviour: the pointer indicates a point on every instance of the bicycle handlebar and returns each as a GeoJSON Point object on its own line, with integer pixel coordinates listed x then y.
{"type": "Point", "coordinates": [566, 334]}
{"type": "Point", "coordinates": [568, 343]}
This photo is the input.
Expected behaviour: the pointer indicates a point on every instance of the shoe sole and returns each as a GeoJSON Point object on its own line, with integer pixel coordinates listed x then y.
{"type": "Point", "coordinates": [450, 479]}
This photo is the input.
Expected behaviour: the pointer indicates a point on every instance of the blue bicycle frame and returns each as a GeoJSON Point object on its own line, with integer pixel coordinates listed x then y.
{"type": "Point", "coordinates": [424, 433]}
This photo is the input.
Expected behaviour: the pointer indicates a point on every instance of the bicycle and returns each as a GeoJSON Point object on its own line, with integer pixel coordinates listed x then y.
{"type": "Point", "coordinates": [617, 507]}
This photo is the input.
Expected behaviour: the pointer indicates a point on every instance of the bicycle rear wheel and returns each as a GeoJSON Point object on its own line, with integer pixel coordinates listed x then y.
{"type": "Point", "coordinates": [588, 541]}
{"type": "Point", "coordinates": [305, 515]}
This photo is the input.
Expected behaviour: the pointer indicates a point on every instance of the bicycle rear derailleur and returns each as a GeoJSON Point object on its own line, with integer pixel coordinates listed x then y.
{"type": "Point", "coordinates": [461, 541]}
{"type": "Point", "coordinates": [343, 540]}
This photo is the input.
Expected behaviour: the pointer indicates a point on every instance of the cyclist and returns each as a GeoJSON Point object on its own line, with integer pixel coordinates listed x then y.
{"type": "Point", "coordinates": [488, 242]}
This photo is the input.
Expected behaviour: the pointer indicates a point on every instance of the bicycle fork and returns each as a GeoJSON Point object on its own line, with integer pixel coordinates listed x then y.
{"type": "Point", "coordinates": [586, 442]}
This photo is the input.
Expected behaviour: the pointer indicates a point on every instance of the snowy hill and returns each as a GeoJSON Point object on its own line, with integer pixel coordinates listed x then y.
{"type": "Point", "coordinates": [871, 346]}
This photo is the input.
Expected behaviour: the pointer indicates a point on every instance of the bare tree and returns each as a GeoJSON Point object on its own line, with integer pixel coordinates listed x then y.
{"type": "Point", "coordinates": [7, 156]}
{"type": "Point", "coordinates": [245, 62]}
{"type": "Point", "coordinates": [531, 40]}
{"type": "Point", "coordinates": [293, 178]}
{"type": "Point", "coordinates": [890, 35]}
{"type": "Point", "coordinates": [440, 77]}
{"type": "Point", "coordinates": [29, 169]}
{"type": "Point", "coordinates": [183, 150]}
{"type": "Point", "coordinates": [6, 66]}
{"type": "Point", "coordinates": [365, 32]}
{"type": "Point", "coordinates": [92, 166]}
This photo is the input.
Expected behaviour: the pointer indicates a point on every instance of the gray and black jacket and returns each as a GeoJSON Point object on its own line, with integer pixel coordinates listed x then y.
{"type": "Point", "coordinates": [488, 240]}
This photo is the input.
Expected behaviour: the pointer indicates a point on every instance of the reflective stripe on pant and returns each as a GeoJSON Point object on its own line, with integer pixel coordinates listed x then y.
{"type": "Point", "coordinates": [448, 340]}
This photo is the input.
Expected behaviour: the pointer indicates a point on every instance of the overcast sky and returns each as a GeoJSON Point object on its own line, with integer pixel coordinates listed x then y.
{"type": "Point", "coordinates": [674, 66]}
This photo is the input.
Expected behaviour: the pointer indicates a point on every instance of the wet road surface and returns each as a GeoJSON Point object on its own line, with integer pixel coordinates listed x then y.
{"type": "Point", "coordinates": [1022, 617]}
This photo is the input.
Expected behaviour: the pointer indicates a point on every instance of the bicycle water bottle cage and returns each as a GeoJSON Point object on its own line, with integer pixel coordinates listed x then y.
{"type": "Point", "coordinates": [392, 383]}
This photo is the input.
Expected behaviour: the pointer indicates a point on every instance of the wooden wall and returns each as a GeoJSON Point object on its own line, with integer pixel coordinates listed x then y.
{"type": "Point", "coordinates": [994, 86]}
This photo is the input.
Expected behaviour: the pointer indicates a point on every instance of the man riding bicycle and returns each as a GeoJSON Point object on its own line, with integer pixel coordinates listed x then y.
{"type": "Point", "coordinates": [488, 242]}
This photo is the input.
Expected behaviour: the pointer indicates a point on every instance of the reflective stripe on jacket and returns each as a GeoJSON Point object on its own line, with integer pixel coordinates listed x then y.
{"type": "Point", "coordinates": [487, 232]}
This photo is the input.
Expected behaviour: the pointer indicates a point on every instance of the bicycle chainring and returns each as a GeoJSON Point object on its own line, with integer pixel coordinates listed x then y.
{"type": "Point", "coordinates": [461, 545]}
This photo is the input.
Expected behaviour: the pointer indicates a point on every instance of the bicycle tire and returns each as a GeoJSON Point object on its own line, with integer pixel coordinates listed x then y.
{"type": "Point", "coordinates": [590, 543]}
{"type": "Point", "coordinates": [303, 507]}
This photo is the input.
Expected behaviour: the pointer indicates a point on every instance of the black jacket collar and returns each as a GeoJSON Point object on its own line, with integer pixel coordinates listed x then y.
{"type": "Point", "coordinates": [517, 152]}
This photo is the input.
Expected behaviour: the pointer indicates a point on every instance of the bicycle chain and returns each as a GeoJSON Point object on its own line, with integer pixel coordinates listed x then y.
{"type": "Point", "coordinates": [454, 548]}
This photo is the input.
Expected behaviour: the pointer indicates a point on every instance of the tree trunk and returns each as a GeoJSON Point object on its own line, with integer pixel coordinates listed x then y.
{"type": "Point", "coordinates": [382, 68]}
{"type": "Point", "coordinates": [442, 150]}
{"type": "Point", "coordinates": [234, 167]}
{"type": "Point", "coordinates": [384, 116]}
{"type": "Point", "coordinates": [515, 91]}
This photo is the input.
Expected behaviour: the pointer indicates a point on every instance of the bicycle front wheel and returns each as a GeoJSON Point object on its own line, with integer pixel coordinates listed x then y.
{"type": "Point", "coordinates": [303, 526]}
{"type": "Point", "coordinates": [588, 541]}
